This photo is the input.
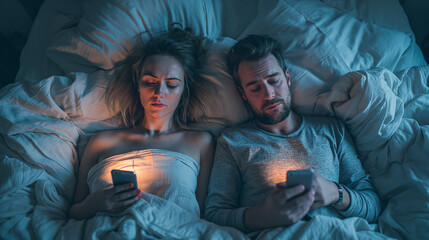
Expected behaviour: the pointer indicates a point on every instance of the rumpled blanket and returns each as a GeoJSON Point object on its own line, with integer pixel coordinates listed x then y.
{"type": "Point", "coordinates": [388, 116]}
{"type": "Point", "coordinates": [385, 112]}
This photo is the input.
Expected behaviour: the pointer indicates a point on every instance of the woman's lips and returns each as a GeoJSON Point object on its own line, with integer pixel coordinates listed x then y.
{"type": "Point", "coordinates": [157, 104]}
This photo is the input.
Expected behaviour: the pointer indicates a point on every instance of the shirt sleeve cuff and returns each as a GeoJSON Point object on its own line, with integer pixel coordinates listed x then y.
{"type": "Point", "coordinates": [239, 219]}
{"type": "Point", "coordinates": [353, 209]}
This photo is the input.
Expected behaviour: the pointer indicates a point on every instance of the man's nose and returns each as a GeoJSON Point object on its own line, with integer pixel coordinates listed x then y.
{"type": "Point", "coordinates": [269, 92]}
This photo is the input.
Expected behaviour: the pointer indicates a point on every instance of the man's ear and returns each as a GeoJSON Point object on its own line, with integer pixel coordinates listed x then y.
{"type": "Point", "coordinates": [242, 93]}
{"type": "Point", "coordinates": [287, 76]}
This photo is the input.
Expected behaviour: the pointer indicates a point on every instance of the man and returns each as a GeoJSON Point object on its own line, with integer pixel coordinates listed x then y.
{"type": "Point", "coordinates": [247, 188]}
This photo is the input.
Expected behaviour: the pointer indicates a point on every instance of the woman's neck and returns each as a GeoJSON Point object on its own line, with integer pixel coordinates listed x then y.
{"type": "Point", "coordinates": [156, 127]}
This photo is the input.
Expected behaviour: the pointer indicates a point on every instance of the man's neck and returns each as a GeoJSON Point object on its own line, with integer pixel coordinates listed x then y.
{"type": "Point", "coordinates": [287, 126]}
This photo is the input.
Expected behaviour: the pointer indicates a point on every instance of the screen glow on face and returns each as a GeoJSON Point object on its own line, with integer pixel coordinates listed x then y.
{"type": "Point", "coordinates": [161, 85]}
{"type": "Point", "coordinates": [266, 89]}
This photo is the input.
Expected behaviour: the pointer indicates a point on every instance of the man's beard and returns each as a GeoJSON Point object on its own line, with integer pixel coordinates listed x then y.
{"type": "Point", "coordinates": [277, 115]}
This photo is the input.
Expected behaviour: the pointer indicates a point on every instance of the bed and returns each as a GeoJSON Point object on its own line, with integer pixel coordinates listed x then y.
{"type": "Point", "coordinates": [356, 60]}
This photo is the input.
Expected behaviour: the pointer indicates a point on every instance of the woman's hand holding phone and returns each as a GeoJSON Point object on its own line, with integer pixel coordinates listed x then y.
{"type": "Point", "coordinates": [114, 198]}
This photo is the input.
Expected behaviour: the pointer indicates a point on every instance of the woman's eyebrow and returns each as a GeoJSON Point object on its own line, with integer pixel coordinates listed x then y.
{"type": "Point", "coordinates": [154, 76]}
{"type": "Point", "coordinates": [174, 78]}
{"type": "Point", "coordinates": [149, 74]}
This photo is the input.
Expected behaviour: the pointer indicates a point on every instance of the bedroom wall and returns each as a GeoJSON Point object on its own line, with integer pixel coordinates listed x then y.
{"type": "Point", "coordinates": [417, 13]}
{"type": "Point", "coordinates": [16, 19]}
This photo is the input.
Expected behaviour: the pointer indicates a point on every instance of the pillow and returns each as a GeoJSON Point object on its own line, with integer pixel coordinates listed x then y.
{"type": "Point", "coordinates": [108, 30]}
{"type": "Point", "coordinates": [385, 13]}
{"type": "Point", "coordinates": [390, 14]}
{"type": "Point", "coordinates": [91, 112]}
{"type": "Point", "coordinates": [236, 16]}
{"type": "Point", "coordinates": [47, 23]}
{"type": "Point", "coordinates": [231, 106]}
{"type": "Point", "coordinates": [325, 43]}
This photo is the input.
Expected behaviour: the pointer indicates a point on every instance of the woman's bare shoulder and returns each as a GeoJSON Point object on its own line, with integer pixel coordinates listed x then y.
{"type": "Point", "coordinates": [108, 137]}
{"type": "Point", "coordinates": [199, 137]}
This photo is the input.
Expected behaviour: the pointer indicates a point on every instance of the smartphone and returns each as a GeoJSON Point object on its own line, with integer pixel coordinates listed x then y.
{"type": "Point", "coordinates": [121, 177]}
{"type": "Point", "coordinates": [304, 177]}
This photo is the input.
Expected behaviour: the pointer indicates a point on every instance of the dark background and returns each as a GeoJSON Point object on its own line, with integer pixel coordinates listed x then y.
{"type": "Point", "coordinates": [17, 17]}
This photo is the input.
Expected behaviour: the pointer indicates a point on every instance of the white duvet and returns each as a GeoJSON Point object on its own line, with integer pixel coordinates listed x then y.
{"type": "Point", "coordinates": [380, 90]}
{"type": "Point", "coordinates": [37, 177]}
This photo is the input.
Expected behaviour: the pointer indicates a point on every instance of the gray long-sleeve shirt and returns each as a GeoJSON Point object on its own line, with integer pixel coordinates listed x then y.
{"type": "Point", "coordinates": [249, 160]}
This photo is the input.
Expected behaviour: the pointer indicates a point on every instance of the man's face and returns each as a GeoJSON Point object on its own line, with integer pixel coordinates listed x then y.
{"type": "Point", "coordinates": [266, 88]}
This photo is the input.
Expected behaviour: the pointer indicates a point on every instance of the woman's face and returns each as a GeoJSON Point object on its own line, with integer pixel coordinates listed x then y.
{"type": "Point", "coordinates": [160, 86]}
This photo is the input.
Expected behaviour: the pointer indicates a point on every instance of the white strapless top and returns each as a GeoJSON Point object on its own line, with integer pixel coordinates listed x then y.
{"type": "Point", "coordinates": [167, 174]}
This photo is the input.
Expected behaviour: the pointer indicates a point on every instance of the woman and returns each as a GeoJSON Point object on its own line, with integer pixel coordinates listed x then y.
{"type": "Point", "coordinates": [157, 97]}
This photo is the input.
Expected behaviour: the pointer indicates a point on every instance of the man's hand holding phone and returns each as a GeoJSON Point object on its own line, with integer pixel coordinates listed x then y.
{"type": "Point", "coordinates": [327, 194]}
{"type": "Point", "coordinates": [284, 206]}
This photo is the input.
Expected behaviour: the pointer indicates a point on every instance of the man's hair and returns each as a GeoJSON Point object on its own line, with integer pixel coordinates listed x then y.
{"type": "Point", "coordinates": [252, 48]}
{"type": "Point", "coordinates": [122, 93]}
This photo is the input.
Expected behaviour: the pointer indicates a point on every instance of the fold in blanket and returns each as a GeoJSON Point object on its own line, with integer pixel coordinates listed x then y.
{"type": "Point", "coordinates": [377, 107]}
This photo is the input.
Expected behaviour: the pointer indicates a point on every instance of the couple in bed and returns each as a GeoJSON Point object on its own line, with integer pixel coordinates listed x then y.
{"type": "Point", "coordinates": [243, 186]}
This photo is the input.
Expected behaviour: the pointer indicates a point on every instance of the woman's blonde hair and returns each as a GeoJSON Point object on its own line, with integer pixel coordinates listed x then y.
{"type": "Point", "coordinates": [197, 96]}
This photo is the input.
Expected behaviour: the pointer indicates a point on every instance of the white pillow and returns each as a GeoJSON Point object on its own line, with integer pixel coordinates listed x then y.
{"type": "Point", "coordinates": [325, 43]}
{"type": "Point", "coordinates": [232, 107]}
{"type": "Point", "coordinates": [385, 13]}
{"type": "Point", "coordinates": [107, 31]}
